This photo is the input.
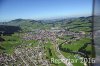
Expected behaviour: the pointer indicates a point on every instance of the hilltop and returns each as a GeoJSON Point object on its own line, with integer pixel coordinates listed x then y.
{"type": "Point", "coordinates": [70, 23]}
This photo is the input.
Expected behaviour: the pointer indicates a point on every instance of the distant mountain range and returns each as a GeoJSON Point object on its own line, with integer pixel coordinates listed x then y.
{"type": "Point", "coordinates": [29, 25]}
{"type": "Point", "coordinates": [17, 22]}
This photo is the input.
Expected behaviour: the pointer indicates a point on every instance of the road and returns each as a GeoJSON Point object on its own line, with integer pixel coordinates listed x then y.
{"type": "Point", "coordinates": [63, 59]}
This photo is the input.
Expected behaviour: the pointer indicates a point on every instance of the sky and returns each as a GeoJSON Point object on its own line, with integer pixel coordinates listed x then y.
{"type": "Point", "coordinates": [43, 9]}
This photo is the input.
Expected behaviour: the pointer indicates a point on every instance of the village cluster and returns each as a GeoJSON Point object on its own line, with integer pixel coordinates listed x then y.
{"type": "Point", "coordinates": [26, 55]}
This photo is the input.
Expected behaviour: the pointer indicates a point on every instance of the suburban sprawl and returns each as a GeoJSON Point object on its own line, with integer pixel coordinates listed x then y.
{"type": "Point", "coordinates": [27, 42]}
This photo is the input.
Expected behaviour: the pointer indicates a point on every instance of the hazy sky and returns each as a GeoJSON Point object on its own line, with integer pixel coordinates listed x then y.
{"type": "Point", "coordinates": [40, 9]}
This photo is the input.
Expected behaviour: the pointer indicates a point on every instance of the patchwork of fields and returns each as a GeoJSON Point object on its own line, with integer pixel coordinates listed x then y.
{"type": "Point", "coordinates": [35, 43]}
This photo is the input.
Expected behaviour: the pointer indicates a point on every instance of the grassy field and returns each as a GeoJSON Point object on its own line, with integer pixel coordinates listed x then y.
{"type": "Point", "coordinates": [71, 56]}
{"type": "Point", "coordinates": [10, 43]}
{"type": "Point", "coordinates": [75, 45]}
{"type": "Point", "coordinates": [53, 54]}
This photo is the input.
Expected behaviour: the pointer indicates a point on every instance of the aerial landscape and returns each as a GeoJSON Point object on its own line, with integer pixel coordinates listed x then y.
{"type": "Point", "coordinates": [47, 41]}
{"type": "Point", "coordinates": [30, 42]}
